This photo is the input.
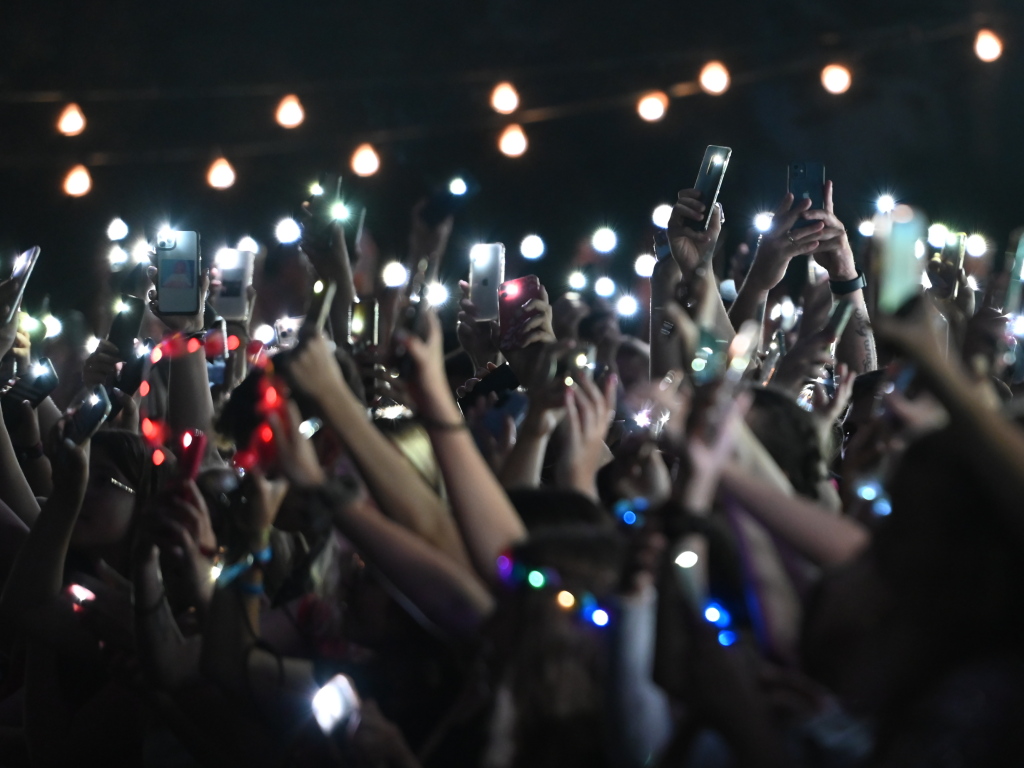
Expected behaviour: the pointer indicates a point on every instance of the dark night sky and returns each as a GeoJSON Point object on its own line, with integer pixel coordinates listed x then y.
{"type": "Point", "coordinates": [924, 117]}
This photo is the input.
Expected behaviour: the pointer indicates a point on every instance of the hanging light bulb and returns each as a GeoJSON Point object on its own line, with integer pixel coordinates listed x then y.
{"type": "Point", "coordinates": [365, 160]}
{"type": "Point", "coordinates": [221, 175]}
{"type": "Point", "coordinates": [71, 121]}
{"type": "Point", "coordinates": [987, 45]}
{"type": "Point", "coordinates": [513, 141]}
{"type": "Point", "coordinates": [714, 78]}
{"type": "Point", "coordinates": [289, 112]}
{"type": "Point", "coordinates": [504, 98]}
{"type": "Point", "coordinates": [652, 106]}
{"type": "Point", "coordinates": [78, 182]}
{"type": "Point", "coordinates": [836, 78]}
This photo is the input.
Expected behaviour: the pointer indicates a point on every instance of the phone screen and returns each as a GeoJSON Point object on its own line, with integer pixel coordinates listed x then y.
{"type": "Point", "coordinates": [178, 278]}
{"type": "Point", "coordinates": [709, 180]}
{"type": "Point", "coordinates": [337, 703]}
{"type": "Point", "coordinates": [486, 274]}
{"type": "Point", "coordinates": [21, 272]}
{"type": "Point", "coordinates": [902, 233]}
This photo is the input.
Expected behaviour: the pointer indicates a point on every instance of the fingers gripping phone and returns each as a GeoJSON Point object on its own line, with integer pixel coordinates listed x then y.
{"type": "Point", "coordinates": [709, 181]}
{"type": "Point", "coordinates": [178, 272]}
{"type": "Point", "coordinates": [34, 386]}
{"type": "Point", "coordinates": [127, 323]}
{"type": "Point", "coordinates": [236, 268]}
{"type": "Point", "coordinates": [512, 295]}
{"type": "Point", "coordinates": [22, 271]}
{"type": "Point", "coordinates": [486, 274]}
{"type": "Point", "coordinates": [807, 182]}
{"type": "Point", "coordinates": [88, 416]}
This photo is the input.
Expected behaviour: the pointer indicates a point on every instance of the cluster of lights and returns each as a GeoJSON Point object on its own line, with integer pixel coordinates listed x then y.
{"type": "Point", "coordinates": [872, 492]}
{"type": "Point", "coordinates": [540, 578]}
{"type": "Point", "coordinates": [714, 613]}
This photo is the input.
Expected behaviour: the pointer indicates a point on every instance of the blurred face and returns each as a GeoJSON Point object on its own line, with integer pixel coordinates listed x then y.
{"type": "Point", "coordinates": [108, 508]}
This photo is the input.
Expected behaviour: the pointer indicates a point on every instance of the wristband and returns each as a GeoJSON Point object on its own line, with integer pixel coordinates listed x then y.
{"type": "Point", "coordinates": [254, 590]}
{"type": "Point", "coordinates": [843, 287]}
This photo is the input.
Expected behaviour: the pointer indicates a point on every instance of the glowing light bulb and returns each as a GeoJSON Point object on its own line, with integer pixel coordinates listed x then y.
{"type": "Point", "coordinates": [645, 264]}
{"type": "Point", "coordinates": [714, 78]}
{"type": "Point", "coordinates": [395, 275]}
{"type": "Point", "coordinates": [71, 121]}
{"type": "Point", "coordinates": [536, 579]}
{"type": "Point", "coordinates": [221, 175]}
{"type": "Point", "coordinates": [289, 112]}
{"type": "Point", "coordinates": [577, 281]}
{"type": "Point", "coordinates": [437, 294]}
{"type": "Point", "coordinates": [532, 247]}
{"type": "Point", "coordinates": [661, 215]}
{"type": "Point", "coordinates": [287, 231]}
{"type": "Point", "coordinates": [600, 617]}
{"type": "Point", "coordinates": [976, 246]}
{"type": "Point", "coordinates": [627, 306]}
{"type": "Point", "coordinates": [513, 141]}
{"type": "Point", "coordinates": [987, 45]}
{"type": "Point", "coordinates": [836, 78]}
{"type": "Point", "coordinates": [365, 160]}
{"type": "Point", "coordinates": [504, 98]}
{"type": "Point", "coordinates": [566, 599]}
{"type": "Point", "coordinates": [886, 204]}
{"type": "Point", "coordinates": [604, 240]}
{"type": "Point", "coordinates": [318, 287]}
{"type": "Point", "coordinates": [652, 106]}
{"type": "Point", "coordinates": [117, 230]}
{"type": "Point", "coordinates": [867, 228]}
{"type": "Point", "coordinates": [604, 286]}
{"type": "Point", "coordinates": [763, 221]}
{"type": "Point", "coordinates": [248, 245]}
{"type": "Point", "coordinates": [78, 182]}
{"type": "Point", "coordinates": [458, 187]}
{"type": "Point", "coordinates": [686, 559]}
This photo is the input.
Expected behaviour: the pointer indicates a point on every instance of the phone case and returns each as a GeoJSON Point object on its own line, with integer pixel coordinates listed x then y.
{"type": "Point", "coordinates": [89, 416]}
{"type": "Point", "coordinates": [486, 274]}
{"type": "Point", "coordinates": [178, 273]}
{"type": "Point", "coordinates": [512, 295]}
{"type": "Point", "coordinates": [807, 182]}
{"type": "Point", "coordinates": [709, 180]}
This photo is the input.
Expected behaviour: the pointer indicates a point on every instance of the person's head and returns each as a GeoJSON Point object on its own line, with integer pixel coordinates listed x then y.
{"type": "Point", "coordinates": [790, 435]}
{"type": "Point", "coordinates": [117, 477]}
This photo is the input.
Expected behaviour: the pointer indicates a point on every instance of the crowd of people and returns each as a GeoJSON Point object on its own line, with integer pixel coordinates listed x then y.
{"type": "Point", "coordinates": [753, 537]}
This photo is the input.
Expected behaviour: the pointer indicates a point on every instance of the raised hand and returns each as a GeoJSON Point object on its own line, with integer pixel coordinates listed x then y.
{"type": "Point", "coordinates": [479, 339]}
{"type": "Point", "coordinates": [833, 250]}
{"type": "Point", "coordinates": [179, 323]}
{"type": "Point", "coordinates": [781, 244]}
{"type": "Point", "coordinates": [101, 365]}
{"type": "Point", "coordinates": [588, 413]}
{"type": "Point", "coordinates": [691, 248]}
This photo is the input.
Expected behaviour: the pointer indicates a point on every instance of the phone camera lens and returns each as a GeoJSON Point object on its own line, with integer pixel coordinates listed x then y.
{"type": "Point", "coordinates": [165, 242]}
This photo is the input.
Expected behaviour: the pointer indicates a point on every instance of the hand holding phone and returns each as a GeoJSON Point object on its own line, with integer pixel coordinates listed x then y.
{"type": "Point", "coordinates": [178, 273]}
{"type": "Point", "coordinates": [325, 207]}
{"type": "Point", "coordinates": [22, 271]}
{"type": "Point", "coordinates": [88, 416]}
{"type": "Point", "coordinates": [709, 181]}
{"type": "Point", "coordinates": [512, 297]}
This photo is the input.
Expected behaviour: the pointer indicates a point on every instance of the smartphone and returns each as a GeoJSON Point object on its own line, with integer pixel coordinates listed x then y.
{"type": "Point", "coordinates": [192, 448]}
{"type": "Point", "coordinates": [499, 381]}
{"type": "Point", "coordinates": [178, 272]}
{"type": "Point", "coordinates": [511, 296]}
{"type": "Point", "coordinates": [324, 208]}
{"type": "Point", "coordinates": [709, 181]}
{"type": "Point", "coordinates": [287, 331]}
{"type": "Point", "coordinates": [662, 249]}
{"type": "Point", "coordinates": [319, 310]}
{"type": "Point", "coordinates": [364, 324]}
{"type": "Point", "coordinates": [88, 416]}
{"type": "Point", "coordinates": [448, 200]}
{"type": "Point", "coordinates": [22, 271]}
{"type": "Point", "coordinates": [34, 386]}
{"type": "Point", "coordinates": [841, 314]}
{"type": "Point", "coordinates": [337, 705]}
{"type": "Point", "coordinates": [486, 273]}
{"type": "Point", "coordinates": [1013, 289]}
{"type": "Point", "coordinates": [236, 268]}
{"type": "Point", "coordinates": [127, 324]}
{"type": "Point", "coordinates": [132, 373]}
{"type": "Point", "coordinates": [901, 234]}
{"type": "Point", "coordinates": [807, 182]}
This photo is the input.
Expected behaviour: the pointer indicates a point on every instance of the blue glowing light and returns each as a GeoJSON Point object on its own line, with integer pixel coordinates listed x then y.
{"type": "Point", "coordinates": [726, 638]}
{"type": "Point", "coordinates": [868, 490]}
{"type": "Point", "coordinates": [599, 617]}
{"type": "Point", "coordinates": [717, 615]}
{"type": "Point", "coordinates": [628, 517]}
{"type": "Point", "coordinates": [882, 507]}
{"type": "Point", "coordinates": [504, 566]}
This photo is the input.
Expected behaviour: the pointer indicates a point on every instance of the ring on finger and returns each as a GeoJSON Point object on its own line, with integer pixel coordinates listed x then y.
{"type": "Point", "coordinates": [791, 239]}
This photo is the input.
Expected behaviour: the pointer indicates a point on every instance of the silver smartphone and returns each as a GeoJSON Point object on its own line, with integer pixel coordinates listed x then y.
{"type": "Point", "coordinates": [178, 272]}
{"type": "Point", "coordinates": [236, 269]}
{"type": "Point", "coordinates": [486, 274]}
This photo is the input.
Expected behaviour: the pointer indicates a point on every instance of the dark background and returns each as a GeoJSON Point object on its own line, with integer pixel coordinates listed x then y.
{"type": "Point", "coordinates": [924, 118]}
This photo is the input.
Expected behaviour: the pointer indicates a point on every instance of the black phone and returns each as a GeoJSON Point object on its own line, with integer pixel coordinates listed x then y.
{"type": "Point", "coordinates": [127, 324]}
{"type": "Point", "coordinates": [324, 207]}
{"type": "Point", "coordinates": [807, 182]}
{"type": "Point", "coordinates": [34, 386]}
{"type": "Point", "coordinates": [88, 416]}
{"type": "Point", "coordinates": [448, 200]}
{"type": "Point", "coordinates": [20, 273]}
{"type": "Point", "coordinates": [709, 181]}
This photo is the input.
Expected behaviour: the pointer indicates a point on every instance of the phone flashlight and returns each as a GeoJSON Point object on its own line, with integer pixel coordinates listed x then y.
{"type": "Point", "coordinates": [81, 594]}
{"type": "Point", "coordinates": [337, 703]}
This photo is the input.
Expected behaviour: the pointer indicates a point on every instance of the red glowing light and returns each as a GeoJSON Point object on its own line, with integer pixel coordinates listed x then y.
{"type": "Point", "coordinates": [157, 355]}
{"type": "Point", "coordinates": [233, 343]}
{"type": "Point", "coordinates": [266, 433]}
{"type": "Point", "coordinates": [158, 457]}
{"type": "Point", "coordinates": [193, 345]}
{"type": "Point", "coordinates": [144, 388]}
{"type": "Point", "coordinates": [511, 290]}
{"type": "Point", "coordinates": [149, 429]}
{"type": "Point", "coordinates": [271, 396]}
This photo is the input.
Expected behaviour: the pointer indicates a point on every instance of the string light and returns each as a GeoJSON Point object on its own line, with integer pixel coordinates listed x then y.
{"type": "Point", "coordinates": [987, 45]}
{"type": "Point", "coordinates": [504, 98]}
{"type": "Point", "coordinates": [714, 78]}
{"type": "Point", "coordinates": [365, 160]}
{"type": "Point", "coordinates": [566, 599]}
{"type": "Point", "coordinates": [604, 240]}
{"type": "Point", "coordinates": [836, 78]}
{"type": "Point", "coordinates": [662, 215]}
{"type": "Point", "coordinates": [71, 121]}
{"type": "Point", "coordinates": [513, 141]}
{"type": "Point", "coordinates": [652, 106]}
{"type": "Point", "coordinates": [78, 182]}
{"type": "Point", "coordinates": [289, 112]}
{"type": "Point", "coordinates": [644, 265]}
{"type": "Point", "coordinates": [532, 247]}
{"type": "Point", "coordinates": [604, 287]}
{"type": "Point", "coordinates": [221, 175]}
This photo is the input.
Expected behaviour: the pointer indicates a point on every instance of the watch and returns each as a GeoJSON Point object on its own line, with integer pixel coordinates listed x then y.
{"type": "Point", "coordinates": [843, 287]}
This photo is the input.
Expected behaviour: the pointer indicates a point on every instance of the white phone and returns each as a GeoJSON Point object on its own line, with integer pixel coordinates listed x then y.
{"type": "Point", "coordinates": [486, 274]}
{"type": "Point", "coordinates": [337, 703]}
{"type": "Point", "coordinates": [902, 264]}
{"type": "Point", "coordinates": [236, 269]}
{"type": "Point", "coordinates": [178, 279]}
